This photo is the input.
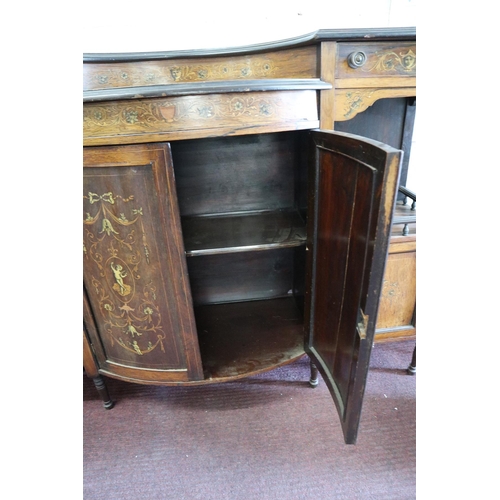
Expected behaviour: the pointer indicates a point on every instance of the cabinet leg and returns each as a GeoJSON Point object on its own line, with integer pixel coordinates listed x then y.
{"type": "Point", "coordinates": [313, 381]}
{"type": "Point", "coordinates": [412, 368]}
{"type": "Point", "coordinates": [100, 385]}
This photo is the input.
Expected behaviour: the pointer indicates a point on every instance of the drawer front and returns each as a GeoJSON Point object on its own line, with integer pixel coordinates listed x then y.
{"type": "Point", "coordinates": [376, 60]}
{"type": "Point", "coordinates": [293, 63]}
{"type": "Point", "coordinates": [195, 116]}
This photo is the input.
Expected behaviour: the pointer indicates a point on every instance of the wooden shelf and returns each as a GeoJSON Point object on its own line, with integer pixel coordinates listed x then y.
{"type": "Point", "coordinates": [241, 338]}
{"type": "Point", "coordinates": [216, 234]}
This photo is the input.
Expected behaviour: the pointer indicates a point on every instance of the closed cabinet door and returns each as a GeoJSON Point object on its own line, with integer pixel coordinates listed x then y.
{"type": "Point", "coordinates": [353, 187]}
{"type": "Point", "coordinates": [137, 301]}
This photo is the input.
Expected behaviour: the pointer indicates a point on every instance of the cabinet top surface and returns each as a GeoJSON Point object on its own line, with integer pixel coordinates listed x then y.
{"type": "Point", "coordinates": [358, 34]}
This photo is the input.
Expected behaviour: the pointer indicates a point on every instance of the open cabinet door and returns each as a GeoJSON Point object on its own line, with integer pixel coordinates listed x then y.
{"type": "Point", "coordinates": [353, 184]}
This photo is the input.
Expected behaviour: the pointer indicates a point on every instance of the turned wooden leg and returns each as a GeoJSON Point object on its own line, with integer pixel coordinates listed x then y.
{"type": "Point", "coordinates": [313, 381]}
{"type": "Point", "coordinates": [412, 369]}
{"type": "Point", "coordinates": [100, 385]}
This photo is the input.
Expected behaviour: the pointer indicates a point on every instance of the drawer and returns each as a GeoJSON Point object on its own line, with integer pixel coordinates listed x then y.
{"type": "Point", "coordinates": [293, 63]}
{"type": "Point", "coordinates": [135, 121]}
{"type": "Point", "coordinates": [391, 60]}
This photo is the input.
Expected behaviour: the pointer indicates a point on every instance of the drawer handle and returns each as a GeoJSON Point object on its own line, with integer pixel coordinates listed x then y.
{"type": "Point", "coordinates": [356, 59]}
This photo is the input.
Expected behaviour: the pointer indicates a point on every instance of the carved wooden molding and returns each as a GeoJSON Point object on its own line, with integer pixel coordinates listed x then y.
{"type": "Point", "coordinates": [350, 102]}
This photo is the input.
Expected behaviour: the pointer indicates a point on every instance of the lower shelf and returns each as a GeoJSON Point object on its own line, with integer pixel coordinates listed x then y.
{"type": "Point", "coordinates": [244, 338]}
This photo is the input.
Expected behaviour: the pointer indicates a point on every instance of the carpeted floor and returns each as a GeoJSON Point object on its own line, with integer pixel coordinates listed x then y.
{"type": "Point", "coordinates": [265, 437]}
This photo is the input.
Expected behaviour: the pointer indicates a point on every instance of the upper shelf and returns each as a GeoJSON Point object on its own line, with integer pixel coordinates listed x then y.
{"type": "Point", "coordinates": [206, 235]}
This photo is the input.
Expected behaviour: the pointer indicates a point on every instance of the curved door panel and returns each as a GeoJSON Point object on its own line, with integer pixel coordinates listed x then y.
{"type": "Point", "coordinates": [353, 187]}
{"type": "Point", "coordinates": [138, 299]}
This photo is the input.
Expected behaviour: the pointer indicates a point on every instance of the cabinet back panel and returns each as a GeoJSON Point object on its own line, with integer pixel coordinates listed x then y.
{"type": "Point", "coordinates": [242, 276]}
{"type": "Point", "coordinates": [233, 174]}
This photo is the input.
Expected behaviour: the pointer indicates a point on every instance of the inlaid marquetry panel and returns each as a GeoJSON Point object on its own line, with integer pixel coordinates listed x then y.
{"type": "Point", "coordinates": [133, 259]}
{"type": "Point", "coordinates": [396, 314]}
{"type": "Point", "coordinates": [295, 63]}
{"type": "Point", "coordinates": [182, 117]}
{"type": "Point", "coordinates": [382, 60]}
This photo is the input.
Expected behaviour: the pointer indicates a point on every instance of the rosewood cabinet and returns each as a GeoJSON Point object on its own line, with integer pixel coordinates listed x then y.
{"type": "Point", "coordinates": [227, 229]}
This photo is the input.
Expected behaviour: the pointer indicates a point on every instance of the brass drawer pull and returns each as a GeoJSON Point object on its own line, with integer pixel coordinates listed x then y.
{"type": "Point", "coordinates": [356, 59]}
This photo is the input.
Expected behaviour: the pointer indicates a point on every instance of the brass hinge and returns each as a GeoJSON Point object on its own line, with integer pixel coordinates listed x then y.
{"type": "Point", "coordinates": [362, 325]}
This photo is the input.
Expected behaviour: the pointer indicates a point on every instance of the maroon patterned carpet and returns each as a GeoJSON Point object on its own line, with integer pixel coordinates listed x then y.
{"type": "Point", "coordinates": [265, 437]}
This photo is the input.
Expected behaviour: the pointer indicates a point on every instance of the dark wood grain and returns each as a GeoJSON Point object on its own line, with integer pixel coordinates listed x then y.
{"type": "Point", "coordinates": [239, 174]}
{"type": "Point", "coordinates": [248, 337]}
{"type": "Point", "coordinates": [353, 188]}
{"type": "Point", "coordinates": [134, 266]}
{"type": "Point", "coordinates": [89, 363]}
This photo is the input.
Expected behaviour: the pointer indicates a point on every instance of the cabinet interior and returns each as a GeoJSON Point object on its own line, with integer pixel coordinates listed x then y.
{"type": "Point", "coordinates": [242, 202]}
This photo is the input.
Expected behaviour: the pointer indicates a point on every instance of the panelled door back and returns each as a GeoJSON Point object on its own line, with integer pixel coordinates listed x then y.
{"type": "Point", "coordinates": [139, 307]}
{"type": "Point", "coordinates": [354, 184]}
